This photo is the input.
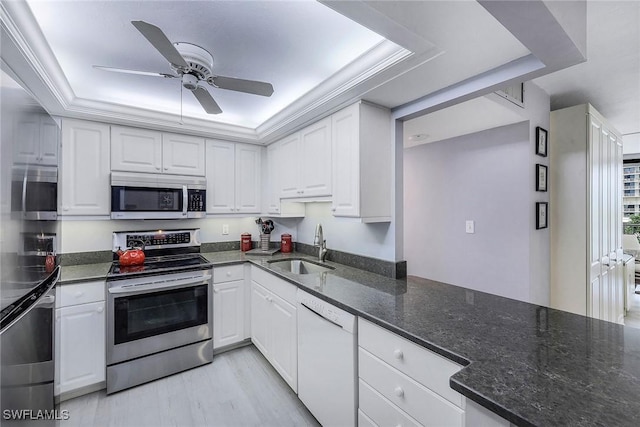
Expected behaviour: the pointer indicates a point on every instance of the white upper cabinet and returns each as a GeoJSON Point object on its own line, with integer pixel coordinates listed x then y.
{"type": "Point", "coordinates": [37, 139]}
{"type": "Point", "coordinates": [248, 161]}
{"type": "Point", "coordinates": [136, 150]}
{"type": "Point", "coordinates": [362, 156]}
{"type": "Point", "coordinates": [273, 187]}
{"type": "Point", "coordinates": [304, 162]}
{"type": "Point", "coordinates": [143, 150]}
{"type": "Point", "coordinates": [287, 164]}
{"type": "Point", "coordinates": [183, 155]}
{"type": "Point", "coordinates": [315, 151]}
{"type": "Point", "coordinates": [233, 177]}
{"type": "Point", "coordinates": [85, 168]}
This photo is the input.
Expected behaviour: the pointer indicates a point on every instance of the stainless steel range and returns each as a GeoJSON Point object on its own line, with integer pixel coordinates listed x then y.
{"type": "Point", "coordinates": [160, 313]}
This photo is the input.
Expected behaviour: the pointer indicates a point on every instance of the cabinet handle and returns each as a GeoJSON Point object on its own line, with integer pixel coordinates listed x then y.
{"type": "Point", "coordinates": [228, 274]}
{"type": "Point", "coordinates": [398, 391]}
{"type": "Point", "coordinates": [398, 354]}
{"type": "Point", "coordinates": [100, 309]}
{"type": "Point", "coordinates": [166, 168]}
{"type": "Point", "coordinates": [158, 168]}
{"type": "Point", "coordinates": [79, 294]}
{"type": "Point", "coordinates": [215, 291]}
{"type": "Point", "coordinates": [333, 209]}
{"type": "Point", "coordinates": [65, 208]}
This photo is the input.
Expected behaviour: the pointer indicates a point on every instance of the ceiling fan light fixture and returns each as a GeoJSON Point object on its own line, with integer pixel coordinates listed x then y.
{"type": "Point", "coordinates": [189, 81]}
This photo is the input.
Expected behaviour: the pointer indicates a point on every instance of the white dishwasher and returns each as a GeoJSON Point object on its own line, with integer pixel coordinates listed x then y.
{"type": "Point", "coordinates": [327, 361]}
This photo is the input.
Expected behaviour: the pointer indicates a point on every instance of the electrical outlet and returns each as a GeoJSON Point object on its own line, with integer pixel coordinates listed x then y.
{"type": "Point", "coordinates": [225, 229]}
{"type": "Point", "coordinates": [470, 227]}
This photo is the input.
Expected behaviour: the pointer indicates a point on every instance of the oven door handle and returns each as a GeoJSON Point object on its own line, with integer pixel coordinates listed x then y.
{"type": "Point", "coordinates": [130, 289]}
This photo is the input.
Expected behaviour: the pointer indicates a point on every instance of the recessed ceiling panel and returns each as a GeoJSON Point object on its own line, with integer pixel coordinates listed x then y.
{"type": "Point", "coordinates": [295, 45]}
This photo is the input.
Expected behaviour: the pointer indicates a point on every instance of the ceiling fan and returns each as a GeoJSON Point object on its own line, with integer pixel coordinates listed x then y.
{"type": "Point", "coordinates": [193, 65]}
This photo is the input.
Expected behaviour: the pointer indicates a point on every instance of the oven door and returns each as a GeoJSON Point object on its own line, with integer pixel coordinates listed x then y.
{"type": "Point", "coordinates": [153, 314]}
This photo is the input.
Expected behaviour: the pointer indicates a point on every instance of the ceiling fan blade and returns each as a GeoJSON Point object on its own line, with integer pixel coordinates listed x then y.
{"type": "Point", "coordinates": [240, 85]}
{"type": "Point", "coordinates": [160, 41]}
{"type": "Point", "coordinates": [142, 73]}
{"type": "Point", "coordinates": [208, 103]}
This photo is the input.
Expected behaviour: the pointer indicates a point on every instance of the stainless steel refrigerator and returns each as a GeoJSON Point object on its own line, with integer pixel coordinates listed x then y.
{"type": "Point", "coordinates": [29, 243]}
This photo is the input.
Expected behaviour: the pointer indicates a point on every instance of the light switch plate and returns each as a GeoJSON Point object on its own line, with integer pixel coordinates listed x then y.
{"type": "Point", "coordinates": [470, 227]}
{"type": "Point", "coordinates": [225, 229]}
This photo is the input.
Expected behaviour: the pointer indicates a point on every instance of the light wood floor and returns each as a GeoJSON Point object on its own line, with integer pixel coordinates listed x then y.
{"type": "Point", "coordinates": [240, 388]}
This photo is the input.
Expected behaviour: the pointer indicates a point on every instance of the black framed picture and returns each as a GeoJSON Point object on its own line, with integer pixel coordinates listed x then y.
{"type": "Point", "coordinates": [541, 215]}
{"type": "Point", "coordinates": [541, 141]}
{"type": "Point", "coordinates": [541, 177]}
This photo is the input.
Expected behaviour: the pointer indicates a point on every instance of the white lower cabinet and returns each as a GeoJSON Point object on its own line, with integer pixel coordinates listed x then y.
{"type": "Point", "coordinates": [80, 363]}
{"type": "Point", "coordinates": [401, 383]}
{"type": "Point", "coordinates": [274, 323]}
{"type": "Point", "coordinates": [228, 305]}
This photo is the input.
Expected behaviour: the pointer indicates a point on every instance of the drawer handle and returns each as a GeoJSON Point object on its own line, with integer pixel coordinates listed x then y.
{"type": "Point", "coordinates": [398, 391]}
{"type": "Point", "coordinates": [228, 274]}
{"type": "Point", "coordinates": [100, 309]}
{"type": "Point", "coordinates": [79, 294]}
{"type": "Point", "coordinates": [398, 354]}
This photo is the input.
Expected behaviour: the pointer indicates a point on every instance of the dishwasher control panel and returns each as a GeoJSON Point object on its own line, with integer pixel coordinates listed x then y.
{"type": "Point", "coordinates": [324, 309]}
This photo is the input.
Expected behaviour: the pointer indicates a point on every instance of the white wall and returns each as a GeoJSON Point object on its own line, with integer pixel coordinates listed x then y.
{"type": "Point", "coordinates": [347, 235]}
{"type": "Point", "coordinates": [476, 177]}
{"type": "Point", "coordinates": [487, 177]}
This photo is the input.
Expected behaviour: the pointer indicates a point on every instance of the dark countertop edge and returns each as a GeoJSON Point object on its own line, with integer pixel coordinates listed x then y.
{"type": "Point", "coordinates": [468, 392]}
{"type": "Point", "coordinates": [489, 404]}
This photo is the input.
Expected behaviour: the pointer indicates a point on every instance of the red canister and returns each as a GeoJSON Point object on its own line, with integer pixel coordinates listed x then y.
{"type": "Point", "coordinates": [285, 243]}
{"type": "Point", "coordinates": [245, 242]}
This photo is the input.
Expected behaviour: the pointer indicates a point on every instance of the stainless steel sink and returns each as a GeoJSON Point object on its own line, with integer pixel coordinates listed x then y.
{"type": "Point", "coordinates": [298, 266]}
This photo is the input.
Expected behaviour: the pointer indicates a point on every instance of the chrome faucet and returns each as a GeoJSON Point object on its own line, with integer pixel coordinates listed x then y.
{"type": "Point", "coordinates": [318, 240]}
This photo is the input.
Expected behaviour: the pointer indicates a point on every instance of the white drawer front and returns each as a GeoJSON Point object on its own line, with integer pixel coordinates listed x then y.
{"type": "Point", "coordinates": [428, 368]}
{"type": "Point", "coordinates": [364, 421]}
{"type": "Point", "coordinates": [281, 288]}
{"type": "Point", "coordinates": [379, 410]}
{"type": "Point", "coordinates": [228, 273]}
{"type": "Point", "coordinates": [427, 407]}
{"type": "Point", "coordinates": [80, 293]}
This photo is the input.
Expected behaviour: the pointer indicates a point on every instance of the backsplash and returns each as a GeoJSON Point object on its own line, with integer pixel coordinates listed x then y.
{"type": "Point", "coordinates": [397, 270]}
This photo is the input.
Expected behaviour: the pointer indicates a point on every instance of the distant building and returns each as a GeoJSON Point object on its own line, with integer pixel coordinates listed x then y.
{"type": "Point", "coordinates": [631, 188]}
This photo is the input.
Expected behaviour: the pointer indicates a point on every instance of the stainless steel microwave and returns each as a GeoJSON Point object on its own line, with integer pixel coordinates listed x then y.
{"type": "Point", "coordinates": [34, 192]}
{"type": "Point", "coordinates": [157, 196]}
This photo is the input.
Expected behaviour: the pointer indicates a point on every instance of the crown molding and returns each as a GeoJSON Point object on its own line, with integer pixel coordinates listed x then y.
{"type": "Point", "coordinates": [346, 86]}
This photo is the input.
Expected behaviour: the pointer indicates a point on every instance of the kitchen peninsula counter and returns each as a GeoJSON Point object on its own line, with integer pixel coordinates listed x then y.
{"type": "Point", "coordinates": [532, 365]}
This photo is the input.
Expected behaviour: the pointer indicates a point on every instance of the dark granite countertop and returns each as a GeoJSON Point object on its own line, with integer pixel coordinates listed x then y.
{"type": "Point", "coordinates": [531, 365]}
{"type": "Point", "coordinates": [83, 273]}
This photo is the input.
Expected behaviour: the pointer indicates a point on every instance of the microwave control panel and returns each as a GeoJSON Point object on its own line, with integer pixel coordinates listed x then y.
{"type": "Point", "coordinates": [197, 201]}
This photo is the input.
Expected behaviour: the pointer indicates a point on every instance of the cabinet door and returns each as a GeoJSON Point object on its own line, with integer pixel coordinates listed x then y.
{"type": "Point", "coordinates": [283, 347]}
{"type": "Point", "coordinates": [260, 317]}
{"type": "Point", "coordinates": [27, 138]}
{"type": "Point", "coordinates": [49, 141]}
{"type": "Point", "coordinates": [346, 162]}
{"type": "Point", "coordinates": [221, 161]}
{"type": "Point", "coordinates": [228, 313]}
{"type": "Point", "coordinates": [85, 168]}
{"type": "Point", "coordinates": [248, 178]}
{"type": "Point", "coordinates": [136, 150]}
{"type": "Point", "coordinates": [287, 166]}
{"type": "Point", "coordinates": [315, 150]}
{"type": "Point", "coordinates": [183, 155]}
{"type": "Point", "coordinates": [273, 187]}
{"type": "Point", "coordinates": [80, 346]}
